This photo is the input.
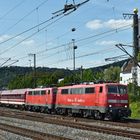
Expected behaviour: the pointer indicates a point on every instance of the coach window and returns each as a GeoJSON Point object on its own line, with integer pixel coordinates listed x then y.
{"type": "Point", "coordinates": [101, 90]}
{"type": "Point", "coordinates": [90, 90]}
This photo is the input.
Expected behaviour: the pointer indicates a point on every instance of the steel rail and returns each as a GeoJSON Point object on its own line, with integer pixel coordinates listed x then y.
{"type": "Point", "coordinates": [35, 135]}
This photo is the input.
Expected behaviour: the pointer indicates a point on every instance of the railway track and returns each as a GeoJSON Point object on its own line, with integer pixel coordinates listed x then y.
{"type": "Point", "coordinates": [35, 135]}
{"type": "Point", "coordinates": [72, 123]}
{"type": "Point", "coordinates": [124, 123]}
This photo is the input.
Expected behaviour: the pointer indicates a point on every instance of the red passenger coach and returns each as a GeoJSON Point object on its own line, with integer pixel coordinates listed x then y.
{"type": "Point", "coordinates": [97, 100]}
{"type": "Point", "coordinates": [41, 99]}
{"type": "Point", "coordinates": [13, 98]}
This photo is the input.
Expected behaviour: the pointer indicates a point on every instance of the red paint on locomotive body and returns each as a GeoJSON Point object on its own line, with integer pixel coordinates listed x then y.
{"type": "Point", "coordinates": [98, 99]}
{"type": "Point", "coordinates": [41, 96]}
{"type": "Point", "coordinates": [81, 95]}
{"type": "Point", "coordinates": [117, 95]}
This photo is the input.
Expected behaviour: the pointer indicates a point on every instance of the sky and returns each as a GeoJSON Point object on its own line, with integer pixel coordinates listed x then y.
{"type": "Point", "coordinates": [29, 27]}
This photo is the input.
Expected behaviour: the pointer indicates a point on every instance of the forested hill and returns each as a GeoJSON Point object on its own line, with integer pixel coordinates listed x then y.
{"type": "Point", "coordinates": [8, 74]}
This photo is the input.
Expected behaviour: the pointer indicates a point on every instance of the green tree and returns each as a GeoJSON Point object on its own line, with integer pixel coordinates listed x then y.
{"type": "Point", "coordinates": [112, 74]}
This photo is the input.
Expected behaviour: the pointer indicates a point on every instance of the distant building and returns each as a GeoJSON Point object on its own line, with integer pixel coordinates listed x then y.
{"type": "Point", "coordinates": [127, 71]}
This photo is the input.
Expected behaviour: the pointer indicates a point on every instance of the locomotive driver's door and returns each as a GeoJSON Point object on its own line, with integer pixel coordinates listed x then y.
{"type": "Point", "coordinates": [99, 95]}
{"type": "Point", "coordinates": [54, 95]}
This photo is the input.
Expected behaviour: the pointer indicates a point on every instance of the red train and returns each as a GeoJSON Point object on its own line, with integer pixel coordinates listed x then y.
{"type": "Point", "coordinates": [88, 100]}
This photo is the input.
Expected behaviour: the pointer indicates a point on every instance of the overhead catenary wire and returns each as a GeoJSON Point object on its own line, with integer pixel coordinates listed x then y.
{"type": "Point", "coordinates": [86, 44]}
{"type": "Point", "coordinates": [30, 35]}
{"type": "Point", "coordinates": [12, 9]}
{"type": "Point", "coordinates": [56, 15]}
{"type": "Point", "coordinates": [85, 55]}
{"type": "Point", "coordinates": [29, 13]}
{"type": "Point", "coordinates": [80, 40]}
{"type": "Point", "coordinates": [86, 38]}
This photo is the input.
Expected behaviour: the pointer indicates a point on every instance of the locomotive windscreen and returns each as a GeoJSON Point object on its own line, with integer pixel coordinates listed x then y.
{"type": "Point", "coordinates": [117, 89]}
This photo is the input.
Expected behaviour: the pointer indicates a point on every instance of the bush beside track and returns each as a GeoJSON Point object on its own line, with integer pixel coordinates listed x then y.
{"type": "Point", "coordinates": [134, 98]}
{"type": "Point", "coordinates": [135, 107]}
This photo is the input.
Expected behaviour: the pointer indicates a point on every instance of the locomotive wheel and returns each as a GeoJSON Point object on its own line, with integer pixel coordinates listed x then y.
{"type": "Point", "coordinates": [114, 118]}
{"type": "Point", "coordinates": [69, 112]}
{"type": "Point", "coordinates": [98, 115]}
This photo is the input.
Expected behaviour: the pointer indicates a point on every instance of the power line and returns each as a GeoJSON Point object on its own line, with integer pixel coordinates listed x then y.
{"type": "Point", "coordinates": [30, 36]}
{"type": "Point", "coordinates": [86, 38]}
{"type": "Point", "coordinates": [77, 6]}
{"type": "Point", "coordinates": [29, 13]}
{"type": "Point", "coordinates": [63, 45]}
{"type": "Point", "coordinates": [88, 54]}
{"type": "Point", "coordinates": [12, 9]}
{"type": "Point", "coordinates": [106, 32]}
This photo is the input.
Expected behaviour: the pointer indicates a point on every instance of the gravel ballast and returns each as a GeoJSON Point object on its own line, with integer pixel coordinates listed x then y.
{"type": "Point", "coordinates": [75, 134]}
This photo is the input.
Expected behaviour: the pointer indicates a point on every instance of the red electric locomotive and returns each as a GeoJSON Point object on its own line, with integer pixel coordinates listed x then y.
{"type": "Point", "coordinates": [97, 100]}
{"type": "Point", "coordinates": [41, 99]}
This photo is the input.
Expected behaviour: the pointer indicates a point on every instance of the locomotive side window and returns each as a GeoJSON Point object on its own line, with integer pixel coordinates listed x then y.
{"type": "Point", "coordinates": [77, 91]}
{"type": "Point", "coordinates": [64, 91]}
{"type": "Point", "coordinates": [90, 90]}
{"type": "Point", "coordinates": [37, 93]}
{"type": "Point", "coordinates": [43, 92]}
{"type": "Point", "coordinates": [30, 93]}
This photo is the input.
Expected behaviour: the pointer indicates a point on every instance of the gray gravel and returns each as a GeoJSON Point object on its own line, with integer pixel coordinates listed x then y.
{"type": "Point", "coordinates": [75, 134]}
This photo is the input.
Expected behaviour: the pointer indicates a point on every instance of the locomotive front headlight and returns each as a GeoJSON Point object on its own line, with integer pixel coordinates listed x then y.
{"type": "Point", "coordinates": [125, 106]}
{"type": "Point", "coordinates": [110, 105]}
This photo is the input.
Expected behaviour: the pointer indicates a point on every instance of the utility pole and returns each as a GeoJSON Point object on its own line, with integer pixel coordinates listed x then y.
{"type": "Point", "coordinates": [81, 74]}
{"type": "Point", "coordinates": [34, 55]}
{"type": "Point", "coordinates": [74, 48]}
{"type": "Point", "coordinates": [135, 42]}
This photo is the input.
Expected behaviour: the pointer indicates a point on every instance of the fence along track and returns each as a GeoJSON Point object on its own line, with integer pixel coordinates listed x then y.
{"type": "Point", "coordinates": [35, 135]}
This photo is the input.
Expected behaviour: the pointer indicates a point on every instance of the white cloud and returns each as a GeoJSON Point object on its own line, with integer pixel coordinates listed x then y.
{"type": "Point", "coordinates": [106, 43]}
{"type": "Point", "coordinates": [28, 42]}
{"type": "Point", "coordinates": [94, 24]}
{"type": "Point", "coordinates": [112, 24]}
{"type": "Point", "coordinates": [4, 37]}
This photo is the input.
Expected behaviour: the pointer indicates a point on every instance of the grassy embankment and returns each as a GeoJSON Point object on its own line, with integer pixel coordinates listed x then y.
{"type": "Point", "coordinates": [134, 98]}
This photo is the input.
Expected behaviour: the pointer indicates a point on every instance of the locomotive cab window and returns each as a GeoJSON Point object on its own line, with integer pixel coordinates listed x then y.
{"type": "Point", "coordinates": [117, 89]}
{"type": "Point", "coordinates": [122, 89]}
{"type": "Point", "coordinates": [112, 89]}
